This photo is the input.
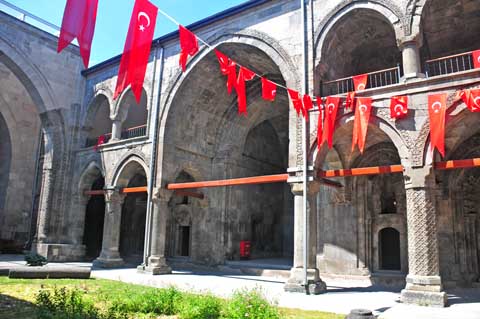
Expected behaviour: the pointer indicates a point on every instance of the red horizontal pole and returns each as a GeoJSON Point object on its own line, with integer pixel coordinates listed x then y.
{"type": "Point", "coordinates": [267, 179]}
{"type": "Point", "coordinates": [457, 164]}
{"type": "Point", "coordinates": [129, 190]}
{"type": "Point", "coordinates": [375, 170]}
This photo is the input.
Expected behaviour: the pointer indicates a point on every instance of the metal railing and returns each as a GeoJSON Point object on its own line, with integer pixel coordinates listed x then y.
{"type": "Point", "coordinates": [29, 18]}
{"type": "Point", "coordinates": [449, 64]}
{"type": "Point", "coordinates": [375, 79]}
{"type": "Point", "coordinates": [132, 132]}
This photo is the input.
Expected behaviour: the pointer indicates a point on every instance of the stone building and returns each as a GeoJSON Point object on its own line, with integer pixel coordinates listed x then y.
{"type": "Point", "coordinates": [421, 228]}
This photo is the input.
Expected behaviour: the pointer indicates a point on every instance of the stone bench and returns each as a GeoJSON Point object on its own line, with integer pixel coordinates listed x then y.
{"type": "Point", "coordinates": [49, 272]}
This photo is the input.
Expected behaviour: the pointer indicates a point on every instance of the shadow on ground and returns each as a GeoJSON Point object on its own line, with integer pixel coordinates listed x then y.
{"type": "Point", "coordinates": [15, 308]}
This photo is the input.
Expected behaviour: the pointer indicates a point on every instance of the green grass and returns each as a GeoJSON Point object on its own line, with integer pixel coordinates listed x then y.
{"type": "Point", "coordinates": [17, 299]}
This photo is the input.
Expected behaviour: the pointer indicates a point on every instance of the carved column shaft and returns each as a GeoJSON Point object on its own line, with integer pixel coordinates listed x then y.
{"type": "Point", "coordinates": [422, 234]}
{"type": "Point", "coordinates": [410, 47]}
{"type": "Point", "coordinates": [116, 130]}
{"type": "Point", "coordinates": [110, 255]}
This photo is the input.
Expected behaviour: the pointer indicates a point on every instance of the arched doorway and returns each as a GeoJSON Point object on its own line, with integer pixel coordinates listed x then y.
{"type": "Point", "coordinates": [98, 121]}
{"type": "Point", "coordinates": [133, 215]}
{"type": "Point", "coordinates": [94, 219]}
{"type": "Point", "coordinates": [389, 248]}
{"type": "Point", "coordinates": [215, 142]}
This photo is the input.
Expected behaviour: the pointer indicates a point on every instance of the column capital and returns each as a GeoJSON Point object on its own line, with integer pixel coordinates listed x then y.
{"type": "Point", "coordinates": [313, 187]}
{"type": "Point", "coordinates": [419, 177]}
{"type": "Point", "coordinates": [161, 195]}
{"type": "Point", "coordinates": [113, 196]}
{"type": "Point", "coordinates": [409, 40]}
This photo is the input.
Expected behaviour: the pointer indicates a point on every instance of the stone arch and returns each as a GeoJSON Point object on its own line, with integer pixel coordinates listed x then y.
{"type": "Point", "coordinates": [121, 110]}
{"type": "Point", "coordinates": [385, 10]}
{"type": "Point", "coordinates": [448, 27]}
{"type": "Point", "coordinates": [130, 165]}
{"type": "Point", "coordinates": [97, 120]}
{"type": "Point", "coordinates": [30, 76]}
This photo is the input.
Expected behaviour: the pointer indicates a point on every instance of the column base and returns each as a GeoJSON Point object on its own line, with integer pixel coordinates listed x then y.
{"type": "Point", "coordinates": [424, 291]}
{"type": "Point", "coordinates": [156, 266]}
{"type": "Point", "coordinates": [108, 262]}
{"type": "Point", "coordinates": [296, 282]}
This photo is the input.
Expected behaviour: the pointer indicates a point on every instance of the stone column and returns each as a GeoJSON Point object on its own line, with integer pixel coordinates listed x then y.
{"type": "Point", "coordinates": [424, 285]}
{"type": "Point", "coordinates": [157, 264]}
{"type": "Point", "coordinates": [116, 130]}
{"type": "Point", "coordinates": [296, 281]}
{"type": "Point", "coordinates": [410, 47]}
{"type": "Point", "coordinates": [110, 255]}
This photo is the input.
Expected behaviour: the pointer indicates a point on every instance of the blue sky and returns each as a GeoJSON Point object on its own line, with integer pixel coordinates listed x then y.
{"type": "Point", "coordinates": [113, 18]}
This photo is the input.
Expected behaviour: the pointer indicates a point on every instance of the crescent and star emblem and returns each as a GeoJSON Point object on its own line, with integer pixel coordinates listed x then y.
{"type": "Point", "coordinates": [361, 86]}
{"type": "Point", "coordinates": [144, 15]}
{"type": "Point", "coordinates": [399, 112]}
{"type": "Point", "coordinates": [330, 108]}
{"type": "Point", "coordinates": [478, 59]}
{"type": "Point", "coordinates": [363, 108]}
{"type": "Point", "coordinates": [436, 109]}
{"type": "Point", "coordinates": [476, 101]}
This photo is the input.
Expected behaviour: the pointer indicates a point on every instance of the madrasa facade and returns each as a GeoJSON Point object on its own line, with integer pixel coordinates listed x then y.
{"type": "Point", "coordinates": [61, 193]}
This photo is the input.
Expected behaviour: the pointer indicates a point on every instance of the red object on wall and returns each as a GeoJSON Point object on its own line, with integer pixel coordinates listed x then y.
{"type": "Point", "coordinates": [245, 249]}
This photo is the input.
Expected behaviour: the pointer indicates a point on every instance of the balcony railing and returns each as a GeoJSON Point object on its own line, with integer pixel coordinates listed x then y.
{"type": "Point", "coordinates": [375, 79]}
{"type": "Point", "coordinates": [449, 64]}
{"type": "Point", "coordinates": [29, 18]}
{"type": "Point", "coordinates": [132, 132]}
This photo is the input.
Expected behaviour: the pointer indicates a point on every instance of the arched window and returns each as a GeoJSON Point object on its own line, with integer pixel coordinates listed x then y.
{"type": "Point", "coordinates": [389, 248]}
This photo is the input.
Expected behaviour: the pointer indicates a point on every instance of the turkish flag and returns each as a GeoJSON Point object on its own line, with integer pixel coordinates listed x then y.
{"type": "Point", "coordinates": [360, 82]}
{"type": "Point", "coordinates": [398, 107]}
{"type": "Point", "coordinates": [350, 101]}
{"type": "Point", "coordinates": [307, 105]}
{"type": "Point", "coordinates": [471, 98]}
{"type": "Point", "coordinates": [78, 22]}
{"type": "Point", "coordinates": [228, 68]}
{"type": "Point", "coordinates": [296, 100]}
{"type": "Point", "coordinates": [476, 59]}
{"type": "Point", "coordinates": [320, 123]}
{"type": "Point", "coordinates": [360, 125]}
{"type": "Point", "coordinates": [137, 48]}
{"type": "Point", "coordinates": [330, 111]}
{"type": "Point", "coordinates": [188, 45]}
{"type": "Point", "coordinates": [437, 107]}
{"type": "Point", "coordinates": [243, 75]}
{"type": "Point", "coordinates": [269, 90]}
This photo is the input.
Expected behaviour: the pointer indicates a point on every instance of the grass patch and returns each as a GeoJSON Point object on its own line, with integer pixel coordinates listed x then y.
{"type": "Point", "coordinates": [106, 299]}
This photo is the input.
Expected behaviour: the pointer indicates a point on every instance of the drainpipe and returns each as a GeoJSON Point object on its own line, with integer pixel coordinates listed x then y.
{"type": "Point", "coordinates": [153, 157]}
{"type": "Point", "coordinates": [304, 145]}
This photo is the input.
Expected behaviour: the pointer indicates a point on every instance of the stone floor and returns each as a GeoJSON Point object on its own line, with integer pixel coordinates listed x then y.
{"type": "Point", "coordinates": [342, 295]}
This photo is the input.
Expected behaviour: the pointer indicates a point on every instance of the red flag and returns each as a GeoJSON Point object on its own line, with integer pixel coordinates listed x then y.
{"type": "Point", "coordinates": [137, 48]}
{"type": "Point", "coordinates": [320, 123]}
{"type": "Point", "coordinates": [437, 107]}
{"type": "Point", "coordinates": [476, 59]}
{"type": "Point", "coordinates": [100, 140]}
{"type": "Point", "coordinates": [398, 107]}
{"type": "Point", "coordinates": [269, 90]}
{"type": "Point", "coordinates": [188, 45]}
{"type": "Point", "coordinates": [243, 75]}
{"type": "Point", "coordinates": [360, 82]}
{"type": "Point", "coordinates": [330, 111]}
{"type": "Point", "coordinates": [229, 68]}
{"type": "Point", "coordinates": [471, 98]}
{"type": "Point", "coordinates": [360, 124]}
{"type": "Point", "coordinates": [307, 105]}
{"type": "Point", "coordinates": [79, 22]}
{"type": "Point", "coordinates": [296, 100]}
{"type": "Point", "coordinates": [349, 102]}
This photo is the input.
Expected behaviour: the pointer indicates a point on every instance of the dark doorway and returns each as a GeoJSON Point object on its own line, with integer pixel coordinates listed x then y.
{"type": "Point", "coordinates": [94, 218]}
{"type": "Point", "coordinates": [389, 242]}
{"type": "Point", "coordinates": [185, 241]}
{"type": "Point", "coordinates": [132, 236]}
